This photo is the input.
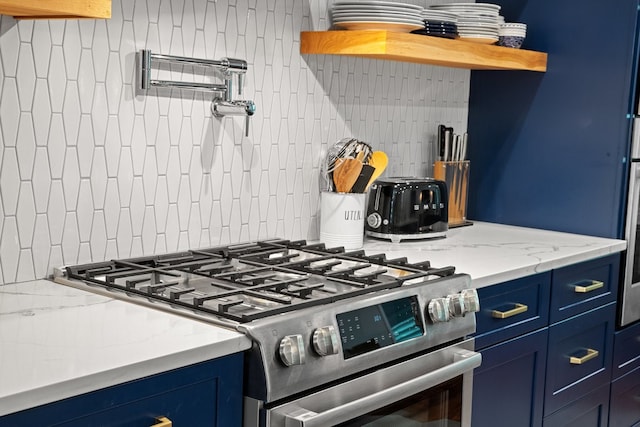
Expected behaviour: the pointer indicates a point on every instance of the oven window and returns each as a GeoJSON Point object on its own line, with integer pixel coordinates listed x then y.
{"type": "Point", "coordinates": [440, 406]}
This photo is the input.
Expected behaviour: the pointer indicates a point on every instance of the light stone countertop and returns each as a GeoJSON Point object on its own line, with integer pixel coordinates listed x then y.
{"type": "Point", "coordinates": [495, 253]}
{"type": "Point", "coordinates": [57, 341]}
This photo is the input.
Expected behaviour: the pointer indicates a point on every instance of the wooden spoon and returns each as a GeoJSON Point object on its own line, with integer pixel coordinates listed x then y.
{"type": "Point", "coordinates": [346, 174]}
{"type": "Point", "coordinates": [379, 161]}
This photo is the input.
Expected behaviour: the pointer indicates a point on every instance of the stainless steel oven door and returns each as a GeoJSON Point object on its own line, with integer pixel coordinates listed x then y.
{"type": "Point", "coordinates": [631, 291]}
{"type": "Point", "coordinates": [433, 389]}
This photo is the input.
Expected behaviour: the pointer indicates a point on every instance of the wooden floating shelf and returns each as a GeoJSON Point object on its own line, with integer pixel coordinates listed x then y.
{"type": "Point", "coordinates": [59, 9]}
{"type": "Point", "coordinates": [407, 47]}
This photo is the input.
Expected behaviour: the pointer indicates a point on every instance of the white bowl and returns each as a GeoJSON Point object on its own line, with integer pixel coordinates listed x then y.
{"type": "Point", "coordinates": [512, 33]}
{"type": "Point", "coordinates": [513, 25]}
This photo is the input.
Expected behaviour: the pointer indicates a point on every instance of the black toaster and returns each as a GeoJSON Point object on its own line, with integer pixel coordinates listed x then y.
{"type": "Point", "coordinates": [403, 208]}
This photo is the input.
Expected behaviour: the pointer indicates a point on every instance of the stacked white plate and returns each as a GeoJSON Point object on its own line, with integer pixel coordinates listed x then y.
{"type": "Point", "coordinates": [477, 22]}
{"type": "Point", "coordinates": [439, 23]}
{"type": "Point", "coordinates": [440, 15]}
{"type": "Point", "coordinates": [377, 15]}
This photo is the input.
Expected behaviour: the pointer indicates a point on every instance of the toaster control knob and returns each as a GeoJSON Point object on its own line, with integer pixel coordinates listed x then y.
{"type": "Point", "coordinates": [374, 220]}
{"type": "Point", "coordinates": [456, 305]}
{"type": "Point", "coordinates": [325, 341]}
{"type": "Point", "coordinates": [438, 310]}
{"type": "Point", "coordinates": [292, 350]}
{"type": "Point", "coordinates": [471, 301]}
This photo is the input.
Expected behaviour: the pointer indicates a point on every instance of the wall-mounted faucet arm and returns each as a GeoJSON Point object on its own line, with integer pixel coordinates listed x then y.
{"type": "Point", "coordinates": [228, 66]}
{"type": "Point", "coordinates": [221, 108]}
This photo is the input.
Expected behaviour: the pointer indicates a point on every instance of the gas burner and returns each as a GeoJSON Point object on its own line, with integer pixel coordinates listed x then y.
{"type": "Point", "coordinates": [250, 281]}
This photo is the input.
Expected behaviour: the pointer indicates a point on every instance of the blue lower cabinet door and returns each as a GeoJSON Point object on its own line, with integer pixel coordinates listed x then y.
{"type": "Point", "coordinates": [625, 400]}
{"type": "Point", "coordinates": [590, 410]}
{"type": "Point", "coordinates": [580, 356]}
{"type": "Point", "coordinates": [205, 394]}
{"type": "Point", "coordinates": [508, 388]}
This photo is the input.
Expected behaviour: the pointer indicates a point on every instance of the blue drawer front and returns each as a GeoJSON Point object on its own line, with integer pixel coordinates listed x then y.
{"type": "Point", "coordinates": [577, 337]}
{"type": "Point", "coordinates": [588, 411]}
{"type": "Point", "coordinates": [626, 354]}
{"type": "Point", "coordinates": [566, 301]}
{"type": "Point", "coordinates": [531, 291]}
{"type": "Point", "coordinates": [625, 400]}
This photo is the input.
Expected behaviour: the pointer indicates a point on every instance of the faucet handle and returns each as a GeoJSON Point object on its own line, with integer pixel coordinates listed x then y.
{"type": "Point", "coordinates": [250, 109]}
{"type": "Point", "coordinates": [240, 83]}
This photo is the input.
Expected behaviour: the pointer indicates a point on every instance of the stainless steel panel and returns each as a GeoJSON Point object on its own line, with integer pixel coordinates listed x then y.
{"type": "Point", "coordinates": [631, 290]}
{"type": "Point", "coordinates": [270, 379]}
{"type": "Point", "coordinates": [373, 391]}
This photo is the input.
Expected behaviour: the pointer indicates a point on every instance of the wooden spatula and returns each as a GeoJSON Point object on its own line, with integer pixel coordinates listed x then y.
{"type": "Point", "coordinates": [346, 174]}
{"type": "Point", "coordinates": [379, 161]}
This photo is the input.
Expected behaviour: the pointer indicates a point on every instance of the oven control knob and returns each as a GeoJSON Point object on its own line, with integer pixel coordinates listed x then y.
{"type": "Point", "coordinates": [471, 301]}
{"type": "Point", "coordinates": [438, 309]}
{"type": "Point", "coordinates": [292, 350]}
{"type": "Point", "coordinates": [325, 341]}
{"type": "Point", "coordinates": [374, 220]}
{"type": "Point", "coordinates": [456, 305]}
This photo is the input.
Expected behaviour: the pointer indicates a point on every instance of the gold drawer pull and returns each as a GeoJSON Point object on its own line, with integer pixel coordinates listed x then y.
{"type": "Point", "coordinates": [580, 360]}
{"type": "Point", "coordinates": [520, 308]}
{"type": "Point", "coordinates": [163, 422]}
{"type": "Point", "coordinates": [594, 284]}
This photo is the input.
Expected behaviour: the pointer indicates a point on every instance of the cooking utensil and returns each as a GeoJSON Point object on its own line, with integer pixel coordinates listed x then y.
{"type": "Point", "coordinates": [362, 182]}
{"type": "Point", "coordinates": [344, 148]}
{"type": "Point", "coordinates": [346, 174]}
{"type": "Point", "coordinates": [379, 161]}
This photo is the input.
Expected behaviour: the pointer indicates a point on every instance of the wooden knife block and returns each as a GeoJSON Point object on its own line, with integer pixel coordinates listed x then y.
{"type": "Point", "coordinates": [456, 176]}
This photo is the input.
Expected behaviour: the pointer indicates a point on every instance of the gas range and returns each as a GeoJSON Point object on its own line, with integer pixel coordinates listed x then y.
{"type": "Point", "coordinates": [314, 314]}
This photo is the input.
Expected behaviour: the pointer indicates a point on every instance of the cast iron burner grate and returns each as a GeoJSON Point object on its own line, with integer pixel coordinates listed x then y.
{"type": "Point", "coordinates": [250, 281]}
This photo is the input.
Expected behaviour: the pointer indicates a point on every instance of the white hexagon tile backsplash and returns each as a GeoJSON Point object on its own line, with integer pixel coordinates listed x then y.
{"type": "Point", "coordinates": [92, 169]}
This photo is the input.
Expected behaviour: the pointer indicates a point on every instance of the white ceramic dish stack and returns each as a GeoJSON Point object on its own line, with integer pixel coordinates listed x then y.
{"type": "Point", "coordinates": [477, 22]}
{"type": "Point", "coordinates": [376, 15]}
{"type": "Point", "coordinates": [439, 23]}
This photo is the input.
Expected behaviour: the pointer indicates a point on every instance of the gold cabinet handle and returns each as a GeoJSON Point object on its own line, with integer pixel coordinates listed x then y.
{"type": "Point", "coordinates": [520, 308]}
{"type": "Point", "coordinates": [591, 353]}
{"type": "Point", "coordinates": [594, 284]}
{"type": "Point", "coordinates": [163, 422]}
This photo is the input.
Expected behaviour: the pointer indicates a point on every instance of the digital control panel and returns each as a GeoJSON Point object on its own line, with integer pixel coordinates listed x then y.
{"type": "Point", "coordinates": [380, 325]}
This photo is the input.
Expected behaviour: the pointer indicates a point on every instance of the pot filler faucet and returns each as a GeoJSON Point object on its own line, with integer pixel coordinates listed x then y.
{"type": "Point", "coordinates": [221, 106]}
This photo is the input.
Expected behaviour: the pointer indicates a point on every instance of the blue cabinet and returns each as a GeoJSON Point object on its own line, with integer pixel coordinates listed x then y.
{"type": "Point", "coordinates": [512, 309]}
{"type": "Point", "coordinates": [583, 287]}
{"type": "Point", "coordinates": [590, 410]}
{"type": "Point", "coordinates": [548, 150]}
{"type": "Point", "coordinates": [580, 353]}
{"type": "Point", "coordinates": [547, 347]}
{"type": "Point", "coordinates": [625, 387]}
{"type": "Point", "coordinates": [204, 394]}
{"type": "Point", "coordinates": [508, 388]}
{"type": "Point", "coordinates": [511, 335]}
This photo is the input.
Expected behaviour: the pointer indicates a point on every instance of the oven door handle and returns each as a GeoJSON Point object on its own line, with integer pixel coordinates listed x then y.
{"type": "Point", "coordinates": [297, 416]}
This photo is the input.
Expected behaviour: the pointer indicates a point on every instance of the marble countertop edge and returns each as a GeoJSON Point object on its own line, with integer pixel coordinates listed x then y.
{"type": "Point", "coordinates": [48, 393]}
